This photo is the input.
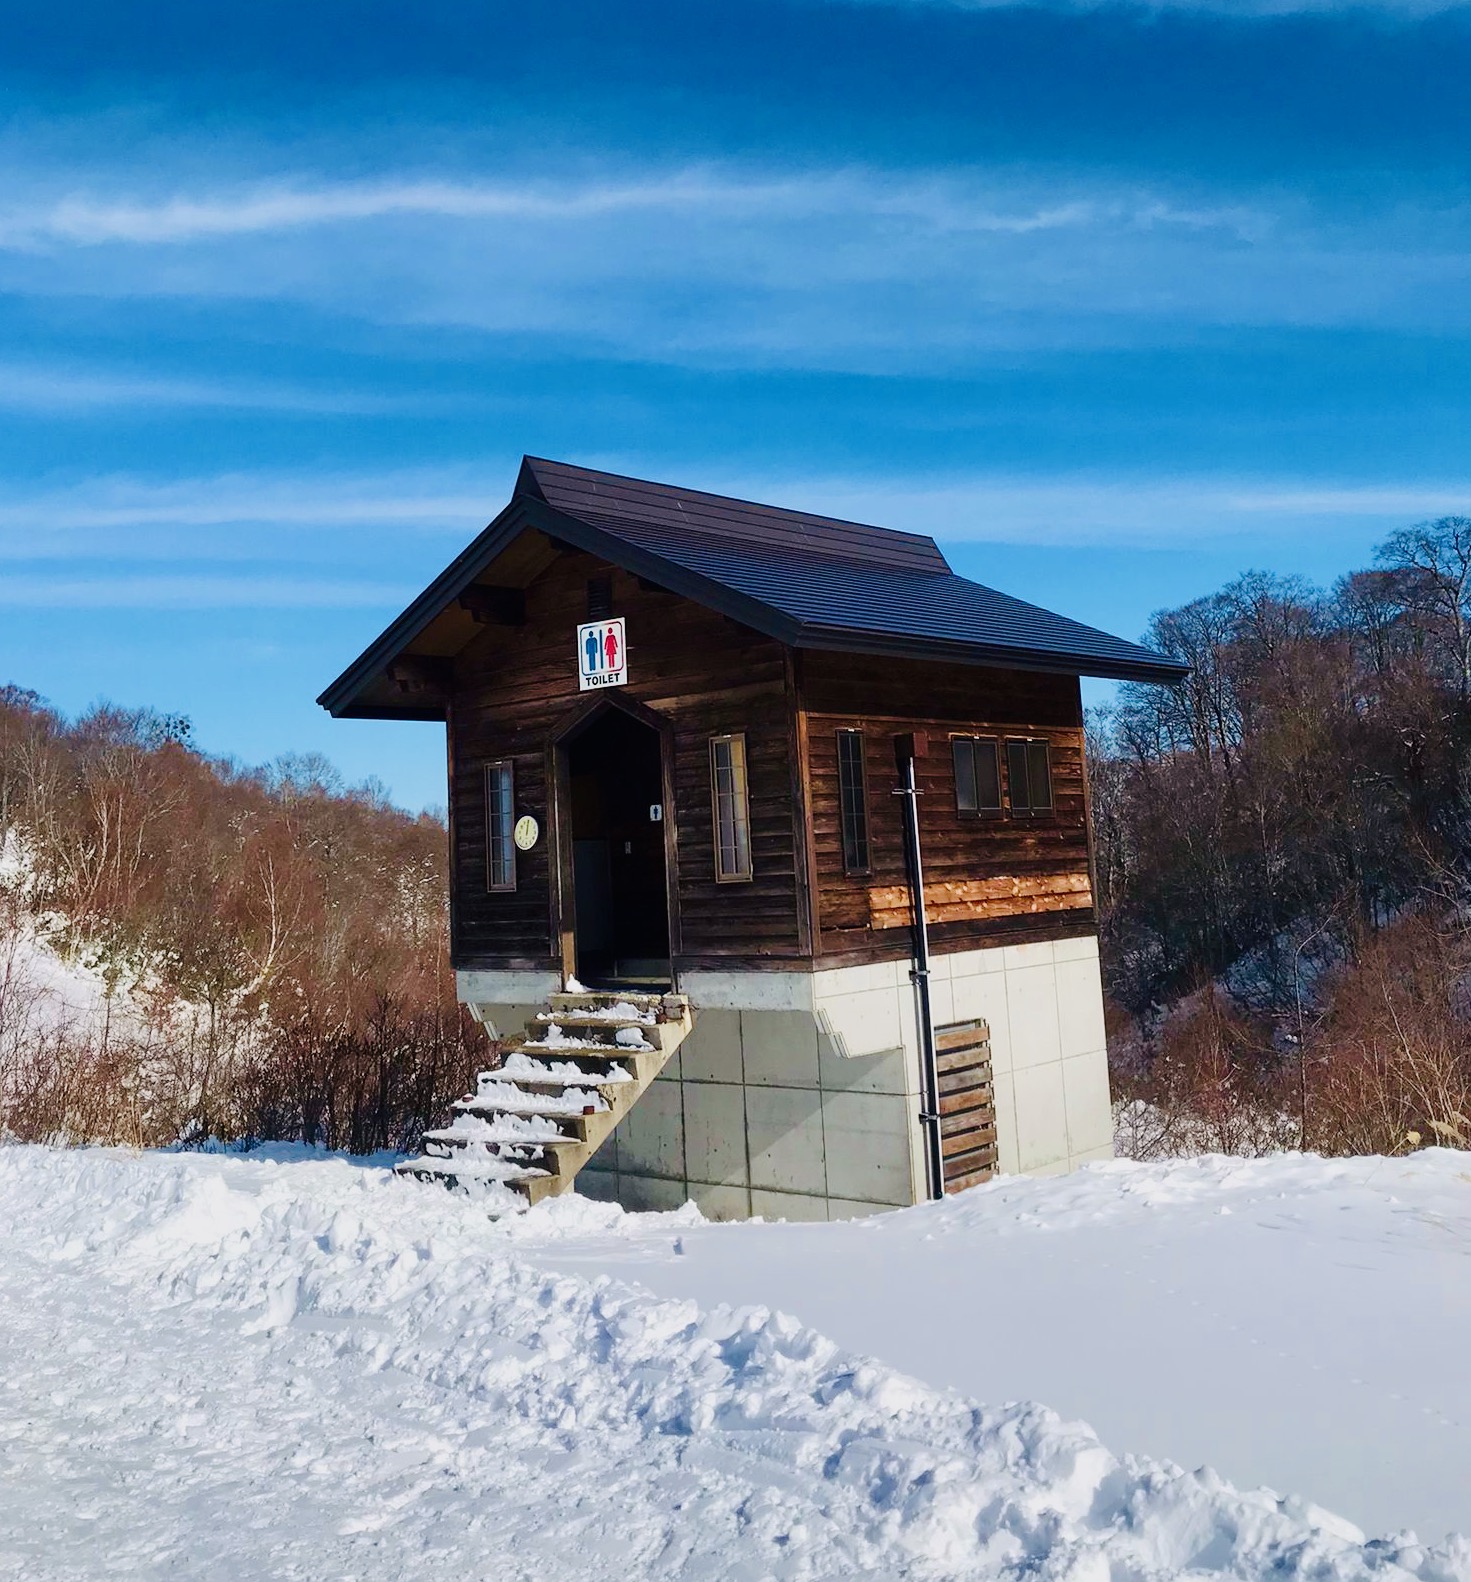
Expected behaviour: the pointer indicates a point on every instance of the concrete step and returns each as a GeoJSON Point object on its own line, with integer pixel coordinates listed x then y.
{"type": "Point", "coordinates": [598, 1063]}
{"type": "Point", "coordinates": [589, 1030]}
{"type": "Point", "coordinates": [569, 1102]}
{"type": "Point", "coordinates": [552, 1156]}
{"type": "Point", "coordinates": [663, 1007]}
{"type": "Point", "coordinates": [567, 1074]}
{"type": "Point", "coordinates": [555, 1041]}
{"type": "Point", "coordinates": [500, 1131]}
{"type": "Point", "coordinates": [535, 1120]}
{"type": "Point", "coordinates": [459, 1168]}
{"type": "Point", "coordinates": [584, 1020]}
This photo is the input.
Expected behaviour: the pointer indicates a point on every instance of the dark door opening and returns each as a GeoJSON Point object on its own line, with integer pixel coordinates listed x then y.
{"type": "Point", "coordinates": [616, 781]}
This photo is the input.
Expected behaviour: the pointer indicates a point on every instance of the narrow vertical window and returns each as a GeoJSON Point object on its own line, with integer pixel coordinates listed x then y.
{"type": "Point", "coordinates": [732, 808]}
{"type": "Point", "coordinates": [1039, 776]}
{"type": "Point", "coordinates": [853, 801]}
{"type": "Point", "coordinates": [964, 750]}
{"type": "Point", "coordinates": [1029, 773]}
{"type": "Point", "coordinates": [977, 774]}
{"type": "Point", "coordinates": [500, 820]}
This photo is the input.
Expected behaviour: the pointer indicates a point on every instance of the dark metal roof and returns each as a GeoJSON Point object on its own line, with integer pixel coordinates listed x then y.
{"type": "Point", "coordinates": [833, 600]}
{"type": "Point", "coordinates": [690, 513]}
{"type": "Point", "coordinates": [809, 581]}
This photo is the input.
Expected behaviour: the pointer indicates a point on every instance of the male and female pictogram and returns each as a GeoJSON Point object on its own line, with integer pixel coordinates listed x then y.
{"type": "Point", "coordinates": [602, 659]}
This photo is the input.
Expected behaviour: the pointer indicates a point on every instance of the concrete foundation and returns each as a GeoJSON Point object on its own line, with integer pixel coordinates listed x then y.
{"type": "Point", "coordinates": [796, 1096]}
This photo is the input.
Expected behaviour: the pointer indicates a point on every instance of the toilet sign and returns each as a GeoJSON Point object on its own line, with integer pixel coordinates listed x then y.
{"type": "Point", "coordinates": [602, 656]}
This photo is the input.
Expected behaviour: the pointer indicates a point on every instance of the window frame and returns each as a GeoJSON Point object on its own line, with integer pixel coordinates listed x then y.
{"type": "Point", "coordinates": [492, 811]}
{"type": "Point", "coordinates": [740, 802]}
{"type": "Point", "coordinates": [854, 869]}
{"type": "Point", "coordinates": [1029, 746]}
{"type": "Point", "coordinates": [971, 741]}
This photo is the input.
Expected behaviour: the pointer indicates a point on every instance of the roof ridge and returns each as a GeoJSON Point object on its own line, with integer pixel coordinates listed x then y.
{"type": "Point", "coordinates": [673, 491]}
{"type": "Point", "coordinates": [621, 523]}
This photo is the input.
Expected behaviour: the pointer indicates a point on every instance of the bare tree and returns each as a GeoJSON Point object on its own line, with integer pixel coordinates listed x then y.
{"type": "Point", "coordinates": [1433, 562]}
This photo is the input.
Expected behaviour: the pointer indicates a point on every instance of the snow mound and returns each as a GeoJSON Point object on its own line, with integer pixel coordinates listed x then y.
{"type": "Point", "coordinates": [315, 1369]}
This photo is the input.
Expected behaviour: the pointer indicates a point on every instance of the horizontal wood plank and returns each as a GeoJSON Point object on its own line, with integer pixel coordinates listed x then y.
{"type": "Point", "coordinates": [968, 911]}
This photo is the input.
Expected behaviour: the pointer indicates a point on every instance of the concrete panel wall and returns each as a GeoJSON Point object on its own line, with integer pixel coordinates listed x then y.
{"type": "Point", "coordinates": [758, 1114]}
{"type": "Point", "coordinates": [1044, 1004]}
{"type": "Point", "coordinates": [796, 1096]}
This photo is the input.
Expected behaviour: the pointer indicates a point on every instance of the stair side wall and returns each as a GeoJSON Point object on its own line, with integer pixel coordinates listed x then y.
{"type": "Point", "coordinates": [504, 1002]}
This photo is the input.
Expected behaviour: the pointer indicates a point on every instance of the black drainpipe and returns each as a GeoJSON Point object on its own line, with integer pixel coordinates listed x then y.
{"type": "Point", "coordinates": [907, 748]}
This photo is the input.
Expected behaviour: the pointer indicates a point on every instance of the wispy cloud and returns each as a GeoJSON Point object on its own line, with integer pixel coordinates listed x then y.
{"type": "Point", "coordinates": [60, 390]}
{"type": "Point", "coordinates": [855, 268]}
{"type": "Point", "coordinates": [1114, 511]}
{"type": "Point", "coordinates": [415, 500]}
{"type": "Point", "coordinates": [88, 221]}
{"type": "Point", "coordinates": [192, 592]}
{"type": "Point", "coordinates": [245, 209]}
{"type": "Point", "coordinates": [366, 516]}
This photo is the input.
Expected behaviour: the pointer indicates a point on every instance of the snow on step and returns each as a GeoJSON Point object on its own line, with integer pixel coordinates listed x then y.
{"type": "Point", "coordinates": [471, 1167]}
{"type": "Point", "coordinates": [629, 1038]}
{"type": "Point", "coordinates": [586, 1003]}
{"type": "Point", "coordinates": [505, 1096]}
{"type": "Point", "coordinates": [521, 1068]}
{"type": "Point", "coordinates": [468, 1128]}
{"type": "Point", "coordinates": [619, 1011]}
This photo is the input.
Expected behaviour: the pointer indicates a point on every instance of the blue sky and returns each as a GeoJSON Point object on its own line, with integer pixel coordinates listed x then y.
{"type": "Point", "coordinates": [1115, 300]}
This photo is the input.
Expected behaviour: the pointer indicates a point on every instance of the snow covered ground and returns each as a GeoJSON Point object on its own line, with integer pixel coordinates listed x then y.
{"type": "Point", "coordinates": [1302, 1323]}
{"type": "Point", "coordinates": [213, 1365]}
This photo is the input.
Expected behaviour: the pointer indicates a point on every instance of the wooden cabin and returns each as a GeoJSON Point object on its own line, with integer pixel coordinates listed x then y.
{"type": "Point", "coordinates": [672, 722]}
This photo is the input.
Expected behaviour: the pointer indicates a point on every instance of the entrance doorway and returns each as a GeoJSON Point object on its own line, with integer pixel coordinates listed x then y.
{"type": "Point", "coordinates": [615, 782]}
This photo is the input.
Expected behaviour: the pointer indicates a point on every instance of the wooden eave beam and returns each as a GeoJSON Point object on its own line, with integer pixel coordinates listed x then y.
{"type": "Point", "coordinates": [494, 606]}
{"type": "Point", "coordinates": [417, 674]}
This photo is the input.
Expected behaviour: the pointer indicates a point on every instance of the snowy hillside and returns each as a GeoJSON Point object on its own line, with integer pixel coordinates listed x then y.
{"type": "Point", "coordinates": [256, 1368]}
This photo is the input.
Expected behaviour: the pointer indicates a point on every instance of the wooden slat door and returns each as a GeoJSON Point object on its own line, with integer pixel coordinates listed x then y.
{"type": "Point", "coordinates": [967, 1104]}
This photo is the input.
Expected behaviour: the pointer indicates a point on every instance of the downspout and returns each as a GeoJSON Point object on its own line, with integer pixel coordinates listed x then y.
{"type": "Point", "coordinates": [907, 748]}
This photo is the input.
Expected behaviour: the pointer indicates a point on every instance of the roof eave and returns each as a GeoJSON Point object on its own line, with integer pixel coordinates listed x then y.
{"type": "Point", "coordinates": [852, 641]}
{"type": "Point", "coordinates": [338, 697]}
{"type": "Point", "coordinates": [524, 512]}
{"type": "Point", "coordinates": [388, 711]}
{"type": "Point", "coordinates": [341, 698]}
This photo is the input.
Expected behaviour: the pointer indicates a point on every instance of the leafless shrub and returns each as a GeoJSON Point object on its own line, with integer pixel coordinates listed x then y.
{"type": "Point", "coordinates": [1292, 825]}
{"type": "Point", "coordinates": [276, 947]}
{"type": "Point", "coordinates": [1206, 1083]}
{"type": "Point", "coordinates": [1390, 1059]}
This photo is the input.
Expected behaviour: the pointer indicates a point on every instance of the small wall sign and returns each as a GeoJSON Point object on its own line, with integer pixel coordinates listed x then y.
{"type": "Point", "coordinates": [526, 833]}
{"type": "Point", "coordinates": [602, 655]}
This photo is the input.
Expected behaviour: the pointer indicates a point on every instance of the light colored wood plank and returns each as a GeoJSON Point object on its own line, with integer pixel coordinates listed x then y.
{"type": "Point", "coordinates": [965, 911]}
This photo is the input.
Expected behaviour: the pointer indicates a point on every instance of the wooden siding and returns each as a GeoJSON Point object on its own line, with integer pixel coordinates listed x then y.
{"type": "Point", "coordinates": [967, 1104]}
{"type": "Point", "coordinates": [990, 879]}
{"type": "Point", "coordinates": [705, 674]}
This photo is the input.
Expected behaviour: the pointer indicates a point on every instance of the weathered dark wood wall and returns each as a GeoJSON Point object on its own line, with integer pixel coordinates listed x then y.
{"type": "Point", "coordinates": [989, 880]}
{"type": "Point", "coordinates": [707, 675]}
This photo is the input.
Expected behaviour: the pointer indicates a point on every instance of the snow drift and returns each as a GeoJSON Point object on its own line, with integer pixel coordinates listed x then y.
{"type": "Point", "coordinates": [309, 1368]}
